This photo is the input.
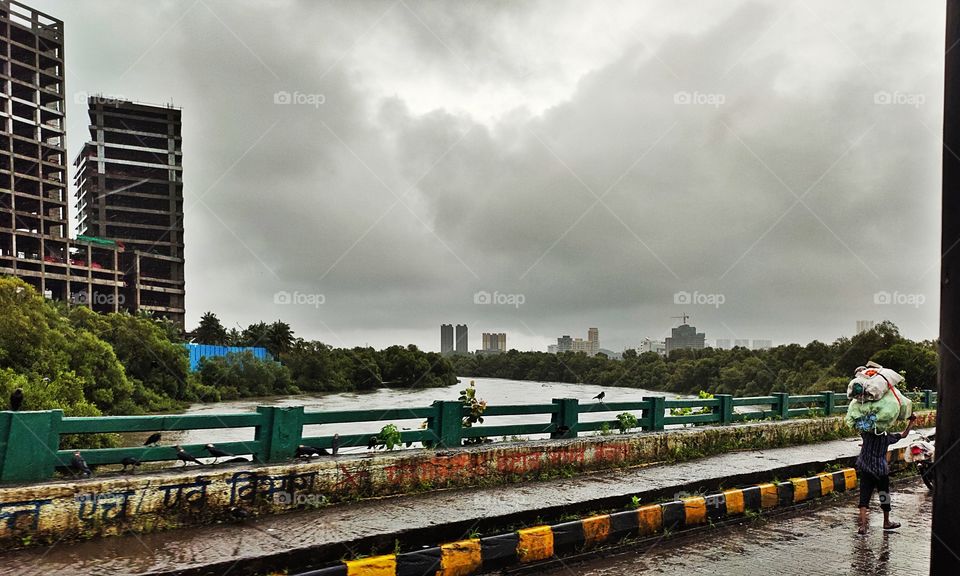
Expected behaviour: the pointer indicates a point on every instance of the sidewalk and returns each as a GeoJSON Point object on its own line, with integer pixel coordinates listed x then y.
{"type": "Point", "coordinates": [318, 536]}
{"type": "Point", "coordinates": [822, 540]}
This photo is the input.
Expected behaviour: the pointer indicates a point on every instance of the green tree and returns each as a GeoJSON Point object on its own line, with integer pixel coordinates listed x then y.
{"type": "Point", "coordinates": [210, 330]}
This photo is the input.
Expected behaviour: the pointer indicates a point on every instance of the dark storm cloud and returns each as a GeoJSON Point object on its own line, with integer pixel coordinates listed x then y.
{"type": "Point", "coordinates": [597, 160]}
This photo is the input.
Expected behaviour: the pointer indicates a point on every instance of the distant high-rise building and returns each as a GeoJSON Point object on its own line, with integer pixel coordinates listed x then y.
{"type": "Point", "coordinates": [564, 343]}
{"type": "Point", "coordinates": [590, 346]}
{"type": "Point", "coordinates": [593, 337]}
{"type": "Point", "coordinates": [130, 190]}
{"type": "Point", "coordinates": [762, 344]}
{"type": "Point", "coordinates": [461, 340]}
{"type": "Point", "coordinates": [723, 344]}
{"type": "Point", "coordinates": [685, 337]}
{"type": "Point", "coordinates": [648, 345]}
{"type": "Point", "coordinates": [446, 338]}
{"type": "Point", "coordinates": [864, 325]}
{"type": "Point", "coordinates": [494, 342]}
{"type": "Point", "coordinates": [741, 343]}
{"type": "Point", "coordinates": [552, 349]}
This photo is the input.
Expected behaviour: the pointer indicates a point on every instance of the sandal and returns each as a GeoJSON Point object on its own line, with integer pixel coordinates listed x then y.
{"type": "Point", "coordinates": [861, 531]}
{"type": "Point", "coordinates": [892, 526]}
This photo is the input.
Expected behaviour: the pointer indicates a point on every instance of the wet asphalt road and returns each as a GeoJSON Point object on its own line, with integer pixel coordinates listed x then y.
{"type": "Point", "coordinates": [818, 540]}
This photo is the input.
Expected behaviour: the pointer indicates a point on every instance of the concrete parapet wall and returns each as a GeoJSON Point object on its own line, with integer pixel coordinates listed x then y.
{"type": "Point", "coordinates": [194, 495]}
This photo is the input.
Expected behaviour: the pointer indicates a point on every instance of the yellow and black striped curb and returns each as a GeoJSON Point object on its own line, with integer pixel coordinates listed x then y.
{"type": "Point", "coordinates": [539, 543]}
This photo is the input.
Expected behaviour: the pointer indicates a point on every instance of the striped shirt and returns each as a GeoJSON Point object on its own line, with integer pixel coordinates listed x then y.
{"type": "Point", "coordinates": [873, 455]}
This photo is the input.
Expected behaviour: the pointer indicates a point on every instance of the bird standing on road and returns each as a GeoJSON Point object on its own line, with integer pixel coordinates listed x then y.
{"type": "Point", "coordinates": [130, 461]}
{"type": "Point", "coordinates": [16, 400]}
{"type": "Point", "coordinates": [78, 464]}
{"type": "Point", "coordinates": [307, 452]}
{"type": "Point", "coordinates": [600, 396]}
{"type": "Point", "coordinates": [184, 456]}
{"type": "Point", "coordinates": [153, 439]}
{"type": "Point", "coordinates": [217, 453]}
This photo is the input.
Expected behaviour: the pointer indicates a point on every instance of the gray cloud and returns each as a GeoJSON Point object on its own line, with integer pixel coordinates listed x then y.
{"type": "Point", "coordinates": [463, 147]}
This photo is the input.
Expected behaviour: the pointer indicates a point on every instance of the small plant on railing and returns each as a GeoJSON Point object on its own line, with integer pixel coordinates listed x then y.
{"type": "Point", "coordinates": [388, 437]}
{"type": "Point", "coordinates": [687, 411]}
{"type": "Point", "coordinates": [605, 429]}
{"type": "Point", "coordinates": [476, 408]}
{"type": "Point", "coordinates": [626, 422]}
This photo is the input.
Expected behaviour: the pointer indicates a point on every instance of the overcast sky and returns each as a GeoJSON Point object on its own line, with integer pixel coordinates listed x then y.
{"type": "Point", "coordinates": [585, 163]}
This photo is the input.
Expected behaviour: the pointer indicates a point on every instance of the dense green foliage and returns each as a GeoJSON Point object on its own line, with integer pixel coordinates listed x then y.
{"type": "Point", "coordinates": [791, 368]}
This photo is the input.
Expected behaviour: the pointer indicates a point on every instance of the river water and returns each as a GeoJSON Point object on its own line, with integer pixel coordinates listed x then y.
{"type": "Point", "coordinates": [494, 391]}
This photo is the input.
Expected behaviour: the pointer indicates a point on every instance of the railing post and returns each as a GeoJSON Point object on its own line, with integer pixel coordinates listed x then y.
{"type": "Point", "coordinates": [783, 404]}
{"type": "Point", "coordinates": [726, 408]}
{"type": "Point", "coordinates": [28, 445]}
{"type": "Point", "coordinates": [829, 402]}
{"type": "Point", "coordinates": [279, 433]}
{"type": "Point", "coordinates": [565, 418]}
{"type": "Point", "coordinates": [928, 399]}
{"type": "Point", "coordinates": [657, 409]}
{"type": "Point", "coordinates": [447, 425]}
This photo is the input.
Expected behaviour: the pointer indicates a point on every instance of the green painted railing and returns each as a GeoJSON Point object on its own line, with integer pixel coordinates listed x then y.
{"type": "Point", "coordinates": [33, 444]}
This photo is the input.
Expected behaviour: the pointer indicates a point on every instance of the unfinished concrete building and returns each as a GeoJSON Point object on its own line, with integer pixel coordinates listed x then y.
{"type": "Point", "coordinates": [130, 191]}
{"type": "Point", "coordinates": [34, 243]}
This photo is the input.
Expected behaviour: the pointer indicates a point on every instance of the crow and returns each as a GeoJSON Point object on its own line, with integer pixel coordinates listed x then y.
{"type": "Point", "coordinates": [153, 439]}
{"type": "Point", "coordinates": [600, 396]}
{"type": "Point", "coordinates": [130, 461]}
{"type": "Point", "coordinates": [78, 464]}
{"type": "Point", "coordinates": [239, 513]}
{"type": "Point", "coordinates": [217, 453]}
{"type": "Point", "coordinates": [335, 445]}
{"type": "Point", "coordinates": [16, 400]}
{"type": "Point", "coordinates": [373, 442]}
{"type": "Point", "coordinates": [184, 456]}
{"type": "Point", "coordinates": [308, 452]}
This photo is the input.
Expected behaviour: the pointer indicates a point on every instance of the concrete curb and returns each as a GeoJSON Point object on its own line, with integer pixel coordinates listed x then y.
{"type": "Point", "coordinates": [539, 543]}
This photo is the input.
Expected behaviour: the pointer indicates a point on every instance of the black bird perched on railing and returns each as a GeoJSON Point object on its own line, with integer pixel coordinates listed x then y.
{"type": "Point", "coordinates": [600, 396]}
{"type": "Point", "coordinates": [16, 400]}
{"type": "Point", "coordinates": [373, 441]}
{"type": "Point", "coordinates": [217, 453]}
{"type": "Point", "coordinates": [130, 461]}
{"type": "Point", "coordinates": [78, 464]}
{"type": "Point", "coordinates": [335, 445]}
{"type": "Point", "coordinates": [307, 452]}
{"type": "Point", "coordinates": [153, 439]}
{"type": "Point", "coordinates": [184, 456]}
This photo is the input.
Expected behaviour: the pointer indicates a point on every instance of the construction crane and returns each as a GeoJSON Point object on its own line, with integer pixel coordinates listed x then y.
{"type": "Point", "coordinates": [683, 317]}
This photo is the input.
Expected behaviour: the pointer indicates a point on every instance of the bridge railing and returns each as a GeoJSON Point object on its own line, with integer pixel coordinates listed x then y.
{"type": "Point", "coordinates": [33, 445]}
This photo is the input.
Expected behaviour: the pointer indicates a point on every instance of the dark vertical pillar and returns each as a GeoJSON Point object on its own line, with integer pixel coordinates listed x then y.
{"type": "Point", "coordinates": [945, 541]}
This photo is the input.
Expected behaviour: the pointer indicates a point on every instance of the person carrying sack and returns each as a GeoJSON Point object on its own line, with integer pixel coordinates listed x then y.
{"type": "Point", "coordinates": [875, 473]}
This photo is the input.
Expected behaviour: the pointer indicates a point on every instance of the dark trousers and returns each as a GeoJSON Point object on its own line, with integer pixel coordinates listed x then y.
{"type": "Point", "coordinates": [869, 483]}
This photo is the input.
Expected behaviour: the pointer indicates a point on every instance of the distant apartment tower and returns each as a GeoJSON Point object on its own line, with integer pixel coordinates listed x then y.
{"type": "Point", "coordinates": [723, 344]}
{"type": "Point", "coordinates": [494, 342]}
{"type": "Point", "coordinates": [446, 338]}
{"type": "Point", "coordinates": [462, 340]}
{"type": "Point", "coordinates": [34, 205]}
{"type": "Point", "coordinates": [593, 337]}
{"type": "Point", "coordinates": [648, 345]}
{"type": "Point", "coordinates": [590, 346]}
{"type": "Point", "coordinates": [762, 344]}
{"type": "Point", "coordinates": [865, 326]}
{"type": "Point", "coordinates": [564, 343]}
{"type": "Point", "coordinates": [130, 187]}
{"type": "Point", "coordinates": [684, 337]}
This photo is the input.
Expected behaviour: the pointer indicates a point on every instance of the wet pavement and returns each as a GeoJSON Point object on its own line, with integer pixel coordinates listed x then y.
{"type": "Point", "coordinates": [440, 515]}
{"type": "Point", "coordinates": [817, 540]}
